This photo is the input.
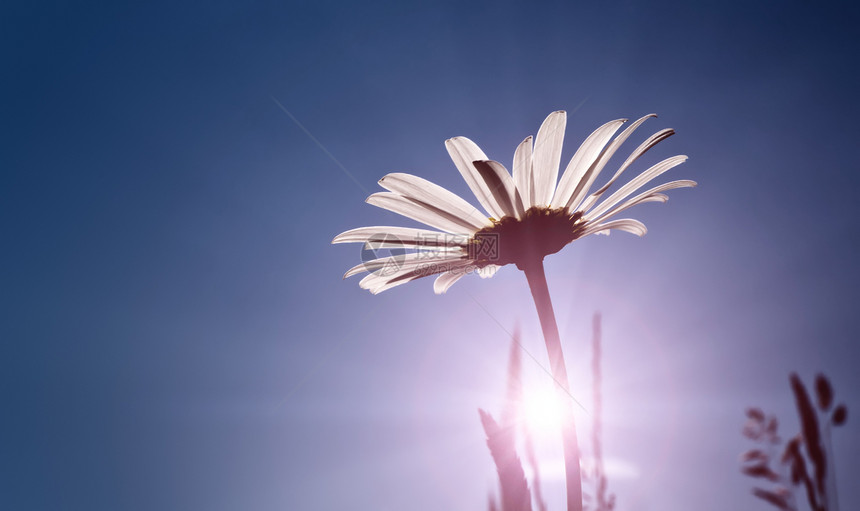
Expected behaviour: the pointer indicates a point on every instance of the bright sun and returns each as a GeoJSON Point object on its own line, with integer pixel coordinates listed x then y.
{"type": "Point", "coordinates": [542, 410]}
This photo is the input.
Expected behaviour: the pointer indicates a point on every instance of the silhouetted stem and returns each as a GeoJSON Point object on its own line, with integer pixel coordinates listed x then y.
{"type": "Point", "coordinates": [537, 283]}
{"type": "Point", "coordinates": [597, 415]}
{"type": "Point", "coordinates": [833, 497]}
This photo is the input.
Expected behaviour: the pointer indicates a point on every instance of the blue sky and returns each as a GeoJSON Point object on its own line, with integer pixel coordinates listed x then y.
{"type": "Point", "coordinates": [176, 333]}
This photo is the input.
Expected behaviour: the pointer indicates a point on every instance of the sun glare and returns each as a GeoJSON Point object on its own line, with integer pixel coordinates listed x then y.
{"type": "Point", "coordinates": [542, 411]}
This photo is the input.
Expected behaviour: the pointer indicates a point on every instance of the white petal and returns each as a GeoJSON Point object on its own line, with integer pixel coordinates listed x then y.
{"type": "Point", "coordinates": [601, 162]}
{"type": "Point", "coordinates": [635, 184]}
{"type": "Point", "coordinates": [463, 152]}
{"type": "Point", "coordinates": [400, 262]}
{"type": "Point", "coordinates": [420, 246]}
{"type": "Point", "coordinates": [639, 199]}
{"type": "Point", "coordinates": [430, 193]}
{"type": "Point", "coordinates": [547, 156]}
{"type": "Point", "coordinates": [421, 212]}
{"type": "Point", "coordinates": [501, 186]}
{"type": "Point", "coordinates": [446, 280]}
{"type": "Point", "coordinates": [652, 195]}
{"type": "Point", "coordinates": [377, 283]}
{"type": "Point", "coordinates": [406, 237]}
{"type": "Point", "coordinates": [573, 179]}
{"type": "Point", "coordinates": [626, 224]}
{"type": "Point", "coordinates": [642, 149]}
{"type": "Point", "coordinates": [523, 171]}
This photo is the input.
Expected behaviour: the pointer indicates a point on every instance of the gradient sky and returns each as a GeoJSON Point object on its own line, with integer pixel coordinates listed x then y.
{"type": "Point", "coordinates": [176, 334]}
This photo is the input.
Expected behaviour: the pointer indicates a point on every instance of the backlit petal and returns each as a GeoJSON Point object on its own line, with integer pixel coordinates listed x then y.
{"type": "Point", "coordinates": [501, 186]}
{"type": "Point", "coordinates": [523, 170]}
{"type": "Point", "coordinates": [430, 193]}
{"type": "Point", "coordinates": [573, 179]}
{"type": "Point", "coordinates": [421, 212]}
{"type": "Point", "coordinates": [547, 156]}
{"type": "Point", "coordinates": [463, 152]}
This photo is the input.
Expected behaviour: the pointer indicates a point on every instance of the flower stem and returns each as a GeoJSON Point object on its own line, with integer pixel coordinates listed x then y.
{"type": "Point", "coordinates": [537, 283]}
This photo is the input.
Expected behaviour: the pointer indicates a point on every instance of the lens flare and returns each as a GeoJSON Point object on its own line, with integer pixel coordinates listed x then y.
{"type": "Point", "coordinates": [542, 411]}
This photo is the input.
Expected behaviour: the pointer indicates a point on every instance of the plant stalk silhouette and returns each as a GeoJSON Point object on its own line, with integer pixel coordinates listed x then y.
{"type": "Point", "coordinates": [807, 456]}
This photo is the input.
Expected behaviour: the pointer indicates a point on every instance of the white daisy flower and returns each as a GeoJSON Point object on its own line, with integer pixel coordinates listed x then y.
{"type": "Point", "coordinates": [529, 214]}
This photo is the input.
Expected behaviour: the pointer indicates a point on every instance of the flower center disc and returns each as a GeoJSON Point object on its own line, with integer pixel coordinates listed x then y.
{"type": "Point", "coordinates": [539, 233]}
